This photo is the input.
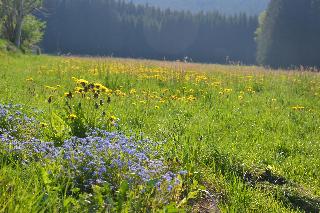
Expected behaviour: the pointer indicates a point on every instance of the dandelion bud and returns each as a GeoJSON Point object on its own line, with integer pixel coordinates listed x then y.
{"type": "Point", "coordinates": [85, 89]}
{"type": "Point", "coordinates": [101, 102]}
{"type": "Point", "coordinates": [91, 86]}
{"type": "Point", "coordinates": [68, 95]}
{"type": "Point", "coordinates": [50, 99]}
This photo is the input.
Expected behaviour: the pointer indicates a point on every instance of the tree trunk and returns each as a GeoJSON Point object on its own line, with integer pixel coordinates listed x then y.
{"type": "Point", "coordinates": [18, 29]}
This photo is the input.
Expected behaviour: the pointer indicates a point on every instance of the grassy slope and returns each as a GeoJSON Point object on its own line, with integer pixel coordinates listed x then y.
{"type": "Point", "coordinates": [242, 133]}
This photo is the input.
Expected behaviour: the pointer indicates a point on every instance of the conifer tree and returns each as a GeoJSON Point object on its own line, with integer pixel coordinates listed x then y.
{"type": "Point", "coordinates": [288, 33]}
{"type": "Point", "coordinates": [117, 28]}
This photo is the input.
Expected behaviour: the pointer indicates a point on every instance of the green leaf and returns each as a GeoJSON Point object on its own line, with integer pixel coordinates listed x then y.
{"type": "Point", "coordinates": [193, 194]}
{"type": "Point", "coordinates": [69, 200]}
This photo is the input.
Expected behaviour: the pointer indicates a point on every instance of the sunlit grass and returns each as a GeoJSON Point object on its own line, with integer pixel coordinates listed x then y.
{"type": "Point", "coordinates": [228, 126]}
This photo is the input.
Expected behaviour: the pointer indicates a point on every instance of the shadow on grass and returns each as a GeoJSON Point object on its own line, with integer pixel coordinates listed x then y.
{"type": "Point", "coordinates": [289, 193]}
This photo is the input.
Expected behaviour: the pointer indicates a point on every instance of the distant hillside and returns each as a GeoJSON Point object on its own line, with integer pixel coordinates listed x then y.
{"type": "Point", "coordinates": [251, 7]}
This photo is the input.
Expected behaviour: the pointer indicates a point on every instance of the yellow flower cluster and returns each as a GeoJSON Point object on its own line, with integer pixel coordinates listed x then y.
{"type": "Point", "coordinates": [190, 85]}
{"type": "Point", "coordinates": [297, 108]}
{"type": "Point", "coordinates": [83, 87]}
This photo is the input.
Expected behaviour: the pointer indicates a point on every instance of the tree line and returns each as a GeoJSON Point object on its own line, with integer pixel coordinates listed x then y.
{"type": "Point", "coordinates": [230, 7]}
{"type": "Point", "coordinates": [285, 35]}
{"type": "Point", "coordinates": [116, 28]}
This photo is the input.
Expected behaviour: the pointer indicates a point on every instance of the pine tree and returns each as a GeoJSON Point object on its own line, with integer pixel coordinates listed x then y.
{"type": "Point", "coordinates": [288, 32]}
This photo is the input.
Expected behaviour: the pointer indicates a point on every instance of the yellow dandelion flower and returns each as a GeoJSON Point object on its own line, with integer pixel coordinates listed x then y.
{"type": "Point", "coordinates": [191, 98]}
{"type": "Point", "coordinates": [97, 85]}
{"type": "Point", "coordinates": [74, 79]}
{"type": "Point", "coordinates": [120, 93]}
{"type": "Point", "coordinates": [29, 79]}
{"type": "Point", "coordinates": [105, 89]}
{"type": "Point", "coordinates": [227, 90]}
{"type": "Point", "coordinates": [72, 117]}
{"type": "Point", "coordinates": [43, 125]}
{"type": "Point", "coordinates": [157, 107]}
{"type": "Point", "coordinates": [215, 84]}
{"type": "Point", "coordinates": [82, 82]}
{"type": "Point", "coordinates": [174, 97]}
{"type": "Point", "coordinates": [132, 92]}
{"type": "Point", "coordinates": [51, 88]}
{"type": "Point", "coordinates": [113, 118]}
{"type": "Point", "coordinates": [68, 94]}
{"type": "Point", "coordinates": [298, 108]}
{"type": "Point", "coordinates": [201, 78]}
{"type": "Point", "coordinates": [78, 89]}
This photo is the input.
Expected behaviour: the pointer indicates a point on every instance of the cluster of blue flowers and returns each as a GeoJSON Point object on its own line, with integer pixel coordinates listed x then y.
{"type": "Point", "coordinates": [109, 156]}
{"type": "Point", "coordinates": [16, 124]}
{"type": "Point", "coordinates": [100, 157]}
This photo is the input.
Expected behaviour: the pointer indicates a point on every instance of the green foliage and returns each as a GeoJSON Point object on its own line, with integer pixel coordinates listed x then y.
{"type": "Point", "coordinates": [1, 27]}
{"type": "Point", "coordinates": [7, 47]}
{"type": "Point", "coordinates": [13, 14]}
{"type": "Point", "coordinates": [288, 34]}
{"type": "Point", "coordinates": [85, 108]}
{"type": "Point", "coordinates": [23, 189]}
{"type": "Point", "coordinates": [32, 32]}
{"type": "Point", "coordinates": [3, 45]}
{"type": "Point", "coordinates": [259, 37]}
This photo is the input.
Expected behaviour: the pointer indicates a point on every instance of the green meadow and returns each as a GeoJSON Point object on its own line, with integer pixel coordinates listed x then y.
{"type": "Point", "coordinates": [237, 138]}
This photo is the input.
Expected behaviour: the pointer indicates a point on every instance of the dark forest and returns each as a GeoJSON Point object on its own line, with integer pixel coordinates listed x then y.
{"type": "Point", "coordinates": [119, 29]}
